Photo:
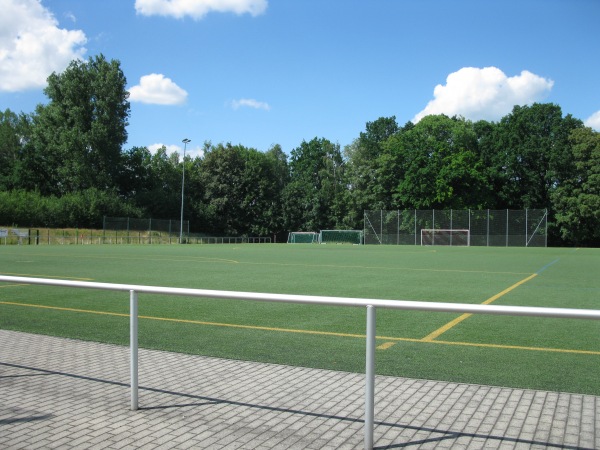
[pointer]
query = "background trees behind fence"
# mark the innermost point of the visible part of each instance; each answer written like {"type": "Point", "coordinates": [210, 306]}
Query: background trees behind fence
{"type": "Point", "coordinates": [64, 165]}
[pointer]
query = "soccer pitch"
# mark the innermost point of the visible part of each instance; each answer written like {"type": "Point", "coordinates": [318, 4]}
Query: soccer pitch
{"type": "Point", "coordinates": [525, 352]}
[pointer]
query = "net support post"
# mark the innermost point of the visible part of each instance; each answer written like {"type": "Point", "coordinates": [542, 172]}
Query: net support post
{"type": "Point", "coordinates": [133, 343]}
{"type": "Point", "coordinates": [370, 378]}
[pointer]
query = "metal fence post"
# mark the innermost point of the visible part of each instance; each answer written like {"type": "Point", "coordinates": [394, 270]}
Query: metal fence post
{"type": "Point", "coordinates": [370, 378]}
{"type": "Point", "coordinates": [381, 225]}
{"type": "Point", "coordinates": [415, 227]}
{"type": "Point", "coordinates": [133, 342]}
{"type": "Point", "coordinates": [507, 227]}
{"type": "Point", "coordinates": [526, 227]}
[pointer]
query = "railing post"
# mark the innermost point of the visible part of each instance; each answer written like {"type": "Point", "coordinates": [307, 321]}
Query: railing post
{"type": "Point", "coordinates": [133, 342]}
{"type": "Point", "coordinates": [370, 378]}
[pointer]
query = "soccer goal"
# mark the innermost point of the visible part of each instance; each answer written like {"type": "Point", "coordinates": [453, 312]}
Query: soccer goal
{"type": "Point", "coordinates": [341, 237]}
{"type": "Point", "coordinates": [303, 237]}
{"type": "Point", "coordinates": [431, 236]}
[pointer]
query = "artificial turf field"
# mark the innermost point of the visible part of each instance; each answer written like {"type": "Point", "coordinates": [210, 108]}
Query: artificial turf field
{"type": "Point", "coordinates": [550, 354]}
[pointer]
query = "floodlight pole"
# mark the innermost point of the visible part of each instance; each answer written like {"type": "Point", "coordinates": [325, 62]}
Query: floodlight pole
{"type": "Point", "coordinates": [185, 143]}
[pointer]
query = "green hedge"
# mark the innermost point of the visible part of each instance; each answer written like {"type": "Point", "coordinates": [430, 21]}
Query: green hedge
{"type": "Point", "coordinates": [83, 209]}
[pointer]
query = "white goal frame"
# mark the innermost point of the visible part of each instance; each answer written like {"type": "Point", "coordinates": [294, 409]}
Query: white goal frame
{"type": "Point", "coordinates": [446, 233]}
{"type": "Point", "coordinates": [293, 234]}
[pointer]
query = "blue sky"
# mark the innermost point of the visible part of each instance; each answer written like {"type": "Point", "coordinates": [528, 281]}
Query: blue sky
{"type": "Point", "coordinates": [264, 72]}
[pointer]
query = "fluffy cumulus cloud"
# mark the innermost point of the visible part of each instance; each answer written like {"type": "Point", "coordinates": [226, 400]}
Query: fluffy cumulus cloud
{"type": "Point", "coordinates": [32, 46]}
{"type": "Point", "coordinates": [158, 90]}
{"type": "Point", "coordinates": [197, 9]}
{"type": "Point", "coordinates": [593, 121]}
{"type": "Point", "coordinates": [249, 103]}
{"type": "Point", "coordinates": [485, 93]}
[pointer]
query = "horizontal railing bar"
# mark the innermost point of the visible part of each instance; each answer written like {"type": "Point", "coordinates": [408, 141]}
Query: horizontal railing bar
{"type": "Point", "coordinates": [568, 313]}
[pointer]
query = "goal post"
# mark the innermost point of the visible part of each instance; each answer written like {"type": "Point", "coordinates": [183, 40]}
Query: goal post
{"type": "Point", "coordinates": [432, 236]}
{"type": "Point", "coordinates": [341, 237]}
{"type": "Point", "coordinates": [303, 237]}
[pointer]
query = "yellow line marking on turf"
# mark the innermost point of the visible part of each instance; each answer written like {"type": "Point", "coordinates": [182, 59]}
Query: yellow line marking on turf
{"type": "Point", "coordinates": [519, 347]}
{"type": "Point", "coordinates": [431, 336]}
{"type": "Point", "coordinates": [256, 327]}
{"type": "Point", "coordinates": [196, 322]}
{"type": "Point", "coordinates": [46, 276]}
{"type": "Point", "coordinates": [59, 308]}
{"type": "Point", "coordinates": [383, 346]}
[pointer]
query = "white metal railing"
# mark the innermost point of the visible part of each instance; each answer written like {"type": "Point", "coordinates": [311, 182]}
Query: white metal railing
{"type": "Point", "coordinates": [371, 306]}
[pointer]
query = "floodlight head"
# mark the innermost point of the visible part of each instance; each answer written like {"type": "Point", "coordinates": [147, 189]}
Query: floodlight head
{"type": "Point", "coordinates": [186, 140]}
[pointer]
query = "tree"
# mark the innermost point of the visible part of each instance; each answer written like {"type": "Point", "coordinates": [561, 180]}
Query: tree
{"type": "Point", "coordinates": [135, 175]}
{"type": "Point", "coordinates": [279, 178]}
{"type": "Point", "coordinates": [361, 168]}
{"type": "Point", "coordinates": [577, 199]}
{"type": "Point", "coordinates": [78, 136]}
{"type": "Point", "coordinates": [15, 131]}
{"type": "Point", "coordinates": [314, 197]}
{"type": "Point", "coordinates": [161, 195]}
{"type": "Point", "coordinates": [242, 189]}
{"type": "Point", "coordinates": [530, 154]}
{"type": "Point", "coordinates": [435, 164]}
{"type": "Point", "coordinates": [9, 147]}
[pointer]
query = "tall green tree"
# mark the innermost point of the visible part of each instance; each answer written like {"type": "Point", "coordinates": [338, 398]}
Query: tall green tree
{"type": "Point", "coordinates": [365, 191]}
{"type": "Point", "coordinates": [577, 199]}
{"type": "Point", "coordinates": [530, 154]}
{"type": "Point", "coordinates": [435, 164]}
{"type": "Point", "coordinates": [77, 137]}
{"type": "Point", "coordinates": [313, 199]}
{"type": "Point", "coordinates": [9, 147]}
{"type": "Point", "coordinates": [161, 194]}
{"type": "Point", "coordinates": [135, 176]}
{"type": "Point", "coordinates": [15, 136]}
{"type": "Point", "coordinates": [279, 176]}
{"type": "Point", "coordinates": [242, 189]}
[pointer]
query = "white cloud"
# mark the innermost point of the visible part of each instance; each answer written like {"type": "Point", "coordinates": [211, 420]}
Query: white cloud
{"type": "Point", "coordinates": [158, 90]}
{"type": "Point", "coordinates": [197, 9]}
{"type": "Point", "coordinates": [32, 46]}
{"type": "Point", "coordinates": [154, 148]}
{"type": "Point", "coordinates": [70, 16]}
{"type": "Point", "coordinates": [250, 103]}
{"type": "Point", "coordinates": [192, 152]}
{"type": "Point", "coordinates": [593, 121]}
{"type": "Point", "coordinates": [487, 93]}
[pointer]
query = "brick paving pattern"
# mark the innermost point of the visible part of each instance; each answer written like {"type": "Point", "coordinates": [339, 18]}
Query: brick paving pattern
{"type": "Point", "coordinates": [64, 393]}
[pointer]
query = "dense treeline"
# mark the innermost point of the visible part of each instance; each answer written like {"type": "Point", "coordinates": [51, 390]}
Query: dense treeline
{"type": "Point", "coordinates": [64, 165]}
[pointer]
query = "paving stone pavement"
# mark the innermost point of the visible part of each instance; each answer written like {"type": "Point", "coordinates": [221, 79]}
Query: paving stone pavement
{"type": "Point", "coordinates": [64, 393]}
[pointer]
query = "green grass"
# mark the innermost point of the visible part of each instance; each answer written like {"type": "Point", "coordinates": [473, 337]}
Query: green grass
{"type": "Point", "coordinates": [507, 351]}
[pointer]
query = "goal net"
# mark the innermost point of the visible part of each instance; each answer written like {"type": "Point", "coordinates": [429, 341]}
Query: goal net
{"type": "Point", "coordinates": [341, 237]}
{"type": "Point", "coordinates": [431, 236]}
{"type": "Point", "coordinates": [303, 237]}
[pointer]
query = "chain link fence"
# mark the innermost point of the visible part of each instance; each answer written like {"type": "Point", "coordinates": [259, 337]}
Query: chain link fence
{"type": "Point", "coordinates": [507, 228]}
{"type": "Point", "coordinates": [68, 236]}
